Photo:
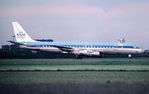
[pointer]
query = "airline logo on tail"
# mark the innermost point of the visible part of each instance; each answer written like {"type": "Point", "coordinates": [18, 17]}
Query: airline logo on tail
{"type": "Point", "coordinates": [20, 35]}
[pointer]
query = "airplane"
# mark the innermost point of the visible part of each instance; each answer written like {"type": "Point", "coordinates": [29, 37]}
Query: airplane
{"type": "Point", "coordinates": [76, 48]}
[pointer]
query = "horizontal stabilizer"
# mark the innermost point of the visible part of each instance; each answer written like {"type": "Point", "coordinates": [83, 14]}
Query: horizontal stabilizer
{"type": "Point", "coordinates": [17, 43]}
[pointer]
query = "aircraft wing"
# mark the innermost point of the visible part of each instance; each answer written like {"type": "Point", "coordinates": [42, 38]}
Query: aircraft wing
{"type": "Point", "coordinates": [67, 49]}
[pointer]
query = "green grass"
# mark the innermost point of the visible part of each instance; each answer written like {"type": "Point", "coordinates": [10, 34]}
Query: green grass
{"type": "Point", "coordinates": [77, 77]}
{"type": "Point", "coordinates": [76, 67]}
{"type": "Point", "coordinates": [69, 76]}
{"type": "Point", "coordinates": [71, 64]}
{"type": "Point", "coordinates": [100, 61]}
{"type": "Point", "coordinates": [88, 70]}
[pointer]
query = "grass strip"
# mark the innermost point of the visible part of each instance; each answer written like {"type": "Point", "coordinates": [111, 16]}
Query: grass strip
{"type": "Point", "coordinates": [87, 70]}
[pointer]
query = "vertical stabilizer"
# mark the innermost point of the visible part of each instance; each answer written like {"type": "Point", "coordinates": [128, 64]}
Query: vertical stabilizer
{"type": "Point", "coordinates": [20, 34]}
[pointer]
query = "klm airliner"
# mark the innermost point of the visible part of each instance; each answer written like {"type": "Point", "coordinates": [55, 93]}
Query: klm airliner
{"type": "Point", "coordinates": [76, 48]}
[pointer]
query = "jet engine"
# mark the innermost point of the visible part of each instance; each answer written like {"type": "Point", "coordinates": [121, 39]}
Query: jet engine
{"type": "Point", "coordinates": [87, 52]}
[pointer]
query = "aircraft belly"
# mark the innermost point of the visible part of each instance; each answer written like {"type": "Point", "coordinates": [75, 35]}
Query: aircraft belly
{"type": "Point", "coordinates": [119, 50]}
{"type": "Point", "coordinates": [51, 49]}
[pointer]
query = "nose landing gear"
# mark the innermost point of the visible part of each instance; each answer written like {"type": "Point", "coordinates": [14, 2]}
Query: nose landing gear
{"type": "Point", "coordinates": [129, 55]}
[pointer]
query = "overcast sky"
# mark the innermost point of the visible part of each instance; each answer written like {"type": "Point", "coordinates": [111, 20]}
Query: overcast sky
{"type": "Point", "coordinates": [78, 20]}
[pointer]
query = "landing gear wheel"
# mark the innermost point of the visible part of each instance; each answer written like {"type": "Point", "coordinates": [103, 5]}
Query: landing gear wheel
{"type": "Point", "coordinates": [78, 56]}
{"type": "Point", "coordinates": [129, 55]}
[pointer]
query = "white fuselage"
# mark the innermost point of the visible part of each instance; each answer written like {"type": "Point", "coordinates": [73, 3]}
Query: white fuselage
{"type": "Point", "coordinates": [85, 48]}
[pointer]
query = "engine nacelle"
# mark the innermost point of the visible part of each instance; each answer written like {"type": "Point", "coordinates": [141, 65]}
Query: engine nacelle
{"type": "Point", "coordinates": [84, 52]}
{"type": "Point", "coordinates": [87, 52]}
{"type": "Point", "coordinates": [95, 53]}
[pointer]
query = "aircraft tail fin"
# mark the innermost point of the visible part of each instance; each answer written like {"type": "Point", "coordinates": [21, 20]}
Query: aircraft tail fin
{"type": "Point", "coordinates": [20, 33]}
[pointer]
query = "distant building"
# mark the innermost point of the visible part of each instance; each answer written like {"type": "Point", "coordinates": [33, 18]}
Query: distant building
{"type": "Point", "coordinates": [8, 47]}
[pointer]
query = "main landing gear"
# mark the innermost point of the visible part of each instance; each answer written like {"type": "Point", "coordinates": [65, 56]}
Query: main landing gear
{"type": "Point", "coordinates": [78, 56]}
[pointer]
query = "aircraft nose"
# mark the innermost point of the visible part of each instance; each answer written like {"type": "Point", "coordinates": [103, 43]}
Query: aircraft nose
{"type": "Point", "coordinates": [140, 51]}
